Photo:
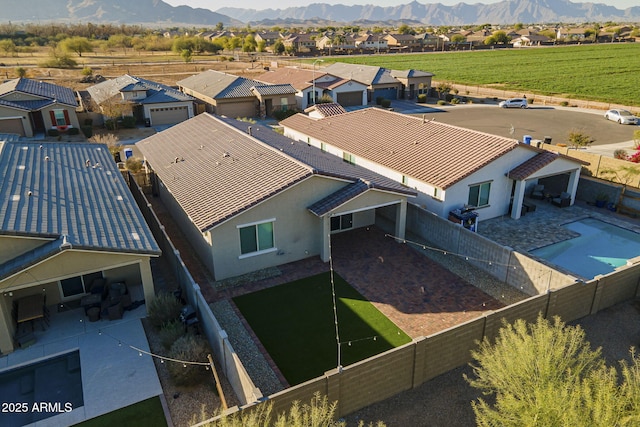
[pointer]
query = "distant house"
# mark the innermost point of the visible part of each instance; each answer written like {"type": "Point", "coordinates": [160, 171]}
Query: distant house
{"type": "Point", "coordinates": [343, 91]}
{"type": "Point", "coordinates": [68, 218]}
{"type": "Point", "coordinates": [302, 42]}
{"type": "Point", "coordinates": [234, 96]}
{"type": "Point", "coordinates": [450, 167]}
{"type": "Point", "coordinates": [28, 107]}
{"type": "Point", "coordinates": [531, 40]}
{"type": "Point", "coordinates": [403, 42]}
{"type": "Point", "coordinates": [155, 103]}
{"type": "Point", "coordinates": [248, 198]}
{"type": "Point", "coordinates": [381, 82]}
{"type": "Point", "coordinates": [268, 37]}
{"type": "Point", "coordinates": [372, 42]}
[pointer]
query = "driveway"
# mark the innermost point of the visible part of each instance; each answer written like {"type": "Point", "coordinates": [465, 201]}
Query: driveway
{"type": "Point", "coordinates": [538, 121]}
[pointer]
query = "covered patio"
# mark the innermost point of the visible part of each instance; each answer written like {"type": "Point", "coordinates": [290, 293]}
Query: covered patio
{"type": "Point", "coordinates": [114, 375]}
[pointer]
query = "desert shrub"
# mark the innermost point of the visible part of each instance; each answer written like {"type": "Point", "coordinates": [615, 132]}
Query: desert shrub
{"type": "Point", "coordinates": [87, 71]}
{"type": "Point", "coordinates": [385, 103]}
{"type": "Point", "coordinates": [74, 131]}
{"type": "Point", "coordinates": [283, 114]}
{"type": "Point", "coordinates": [134, 164]}
{"type": "Point", "coordinates": [87, 130]}
{"type": "Point", "coordinates": [441, 102]}
{"type": "Point", "coordinates": [170, 332]}
{"type": "Point", "coordinates": [379, 100]}
{"type": "Point", "coordinates": [455, 100]}
{"type": "Point", "coordinates": [53, 132]}
{"type": "Point", "coordinates": [635, 157]}
{"type": "Point", "coordinates": [564, 103]}
{"type": "Point", "coordinates": [110, 124]}
{"type": "Point", "coordinates": [620, 154]}
{"type": "Point", "coordinates": [128, 122]}
{"type": "Point", "coordinates": [164, 307]}
{"type": "Point", "coordinates": [448, 97]}
{"type": "Point", "coordinates": [191, 348]}
{"type": "Point", "coordinates": [325, 99]}
{"type": "Point", "coordinates": [422, 98]}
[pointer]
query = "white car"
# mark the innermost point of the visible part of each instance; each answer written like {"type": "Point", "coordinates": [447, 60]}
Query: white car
{"type": "Point", "coordinates": [623, 117]}
{"type": "Point", "coordinates": [514, 103]}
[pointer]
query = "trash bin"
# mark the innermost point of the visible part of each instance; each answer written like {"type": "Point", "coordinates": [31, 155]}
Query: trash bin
{"type": "Point", "coordinates": [147, 122]}
{"type": "Point", "coordinates": [527, 139]}
{"type": "Point", "coordinates": [128, 152]}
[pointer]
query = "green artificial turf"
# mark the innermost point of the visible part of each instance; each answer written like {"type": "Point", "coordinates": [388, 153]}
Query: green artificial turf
{"type": "Point", "coordinates": [295, 323]}
{"type": "Point", "coordinates": [146, 413]}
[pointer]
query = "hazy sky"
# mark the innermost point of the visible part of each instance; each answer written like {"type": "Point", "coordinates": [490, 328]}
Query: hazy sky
{"type": "Point", "coordinates": [281, 4]}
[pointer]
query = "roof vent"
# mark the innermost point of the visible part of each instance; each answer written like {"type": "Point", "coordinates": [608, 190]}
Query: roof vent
{"type": "Point", "coordinates": [225, 154]}
{"type": "Point", "coordinates": [47, 158]}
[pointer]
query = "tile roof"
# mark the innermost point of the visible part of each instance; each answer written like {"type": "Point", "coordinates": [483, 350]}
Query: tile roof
{"type": "Point", "coordinates": [410, 73]}
{"type": "Point", "coordinates": [280, 89]}
{"type": "Point", "coordinates": [60, 94]}
{"type": "Point", "coordinates": [367, 74]}
{"type": "Point", "coordinates": [220, 171]}
{"type": "Point", "coordinates": [211, 187]}
{"type": "Point", "coordinates": [218, 85]}
{"type": "Point", "coordinates": [296, 77]}
{"type": "Point", "coordinates": [436, 153]}
{"type": "Point", "coordinates": [156, 92]}
{"type": "Point", "coordinates": [48, 191]}
{"type": "Point", "coordinates": [327, 109]}
{"type": "Point", "coordinates": [332, 84]}
{"type": "Point", "coordinates": [532, 165]}
{"type": "Point", "coordinates": [338, 198]}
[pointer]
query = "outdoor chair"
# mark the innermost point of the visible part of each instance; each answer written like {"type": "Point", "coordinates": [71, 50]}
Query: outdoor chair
{"type": "Point", "coordinates": [538, 192]}
{"type": "Point", "coordinates": [563, 200]}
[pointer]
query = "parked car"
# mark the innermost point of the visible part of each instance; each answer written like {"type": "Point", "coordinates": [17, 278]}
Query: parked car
{"type": "Point", "coordinates": [623, 117]}
{"type": "Point", "coordinates": [514, 103]}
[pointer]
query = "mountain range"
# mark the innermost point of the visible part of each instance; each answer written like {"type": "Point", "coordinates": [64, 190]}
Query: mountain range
{"type": "Point", "coordinates": [158, 13]}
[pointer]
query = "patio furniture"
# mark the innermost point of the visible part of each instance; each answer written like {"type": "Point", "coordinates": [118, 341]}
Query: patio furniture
{"type": "Point", "coordinates": [538, 192]}
{"type": "Point", "coordinates": [563, 200]}
{"type": "Point", "coordinates": [94, 314]}
{"type": "Point", "coordinates": [30, 309]}
{"type": "Point", "coordinates": [115, 311]}
{"type": "Point", "coordinates": [116, 300]}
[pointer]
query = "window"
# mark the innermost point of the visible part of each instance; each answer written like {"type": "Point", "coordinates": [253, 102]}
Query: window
{"type": "Point", "coordinates": [78, 285]}
{"type": "Point", "coordinates": [342, 222]}
{"type": "Point", "coordinates": [323, 146]}
{"type": "Point", "coordinates": [256, 238]}
{"type": "Point", "coordinates": [405, 180]}
{"type": "Point", "coordinates": [59, 118]}
{"type": "Point", "coordinates": [436, 193]}
{"type": "Point", "coordinates": [349, 158]}
{"type": "Point", "coordinates": [479, 194]}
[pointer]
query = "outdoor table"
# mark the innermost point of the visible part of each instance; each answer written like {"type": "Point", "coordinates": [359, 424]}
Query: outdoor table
{"type": "Point", "coordinates": [31, 308]}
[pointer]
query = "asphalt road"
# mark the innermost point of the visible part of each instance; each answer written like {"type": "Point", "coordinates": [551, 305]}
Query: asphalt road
{"type": "Point", "coordinates": [537, 121]}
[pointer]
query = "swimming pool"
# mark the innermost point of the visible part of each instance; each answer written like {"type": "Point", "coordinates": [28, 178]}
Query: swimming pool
{"type": "Point", "coordinates": [600, 248]}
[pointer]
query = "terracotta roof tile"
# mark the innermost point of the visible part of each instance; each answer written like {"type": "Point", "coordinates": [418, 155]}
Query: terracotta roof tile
{"type": "Point", "coordinates": [531, 166]}
{"type": "Point", "coordinates": [433, 152]}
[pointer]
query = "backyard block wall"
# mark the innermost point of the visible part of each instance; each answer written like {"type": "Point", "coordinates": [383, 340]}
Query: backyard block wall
{"type": "Point", "coordinates": [389, 373]}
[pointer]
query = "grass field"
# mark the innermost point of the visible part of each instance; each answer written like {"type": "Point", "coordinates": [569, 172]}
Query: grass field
{"type": "Point", "coordinates": [600, 72]}
{"type": "Point", "coordinates": [295, 323]}
{"type": "Point", "coordinates": [146, 413]}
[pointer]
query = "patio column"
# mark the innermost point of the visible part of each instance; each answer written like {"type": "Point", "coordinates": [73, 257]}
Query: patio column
{"type": "Point", "coordinates": [518, 198]}
{"type": "Point", "coordinates": [6, 328]}
{"type": "Point", "coordinates": [325, 251]}
{"type": "Point", "coordinates": [401, 219]}
{"type": "Point", "coordinates": [147, 281]}
{"type": "Point", "coordinates": [572, 186]}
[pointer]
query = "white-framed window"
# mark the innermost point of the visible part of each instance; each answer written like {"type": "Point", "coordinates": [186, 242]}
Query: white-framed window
{"type": "Point", "coordinates": [78, 285]}
{"type": "Point", "coordinates": [349, 158]}
{"type": "Point", "coordinates": [323, 146]}
{"type": "Point", "coordinates": [436, 193]}
{"type": "Point", "coordinates": [256, 238]}
{"type": "Point", "coordinates": [405, 180]}
{"type": "Point", "coordinates": [342, 222]}
{"type": "Point", "coordinates": [479, 194]}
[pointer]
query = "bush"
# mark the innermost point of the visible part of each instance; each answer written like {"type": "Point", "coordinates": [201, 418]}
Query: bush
{"type": "Point", "coordinates": [564, 103]}
{"type": "Point", "coordinates": [88, 122]}
{"type": "Point", "coordinates": [441, 102]}
{"type": "Point", "coordinates": [53, 132]}
{"type": "Point", "coordinates": [190, 348]}
{"type": "Point", "coordinates": [87, 71]}
{"type": "Point", "coordinates": [385, 103]}
{"type": "Point", "coordinates": [379, 100]}
{"type": "Point", "coordinates": [455, 101]}
{"type": "Point", "coordinates": [87, 131]}
{"type": "Point", "coordinates": [134, 165]}
{"type": "Point", "coordinates": [128, 122]}
{"type": "Point", "coordinates": [448, 97]}
{"type": "Point", "coordinates": [422, 98]}
{"type": "Point", "coordinates": [283, 114]}
{"type": "Point", "coordinates": [110, 124]}
{"type": "Point", "coordinates": [164, 308]}
{"type": "Point", "coordinates": [620, 154]}
{"type": "Point", "coordinates": [170, 332]}
{"type": "Point", "coordinates": [74, 131]}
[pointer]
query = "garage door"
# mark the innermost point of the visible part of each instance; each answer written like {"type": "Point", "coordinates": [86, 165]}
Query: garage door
{"type": "Point", "coordinates": [12, 126]}
{"type": "Point", "coordinates": [389, 93]}
{"type": "Point", "coordinates": [350, 99]}
{"type": "Point", "coordinates": [169, 116]}
{"type": "Point", "coordinates": [237, 109]}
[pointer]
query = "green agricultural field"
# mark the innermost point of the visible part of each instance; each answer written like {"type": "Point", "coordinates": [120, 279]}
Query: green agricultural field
{"type": "Point", "coordinates": [602, 72]}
